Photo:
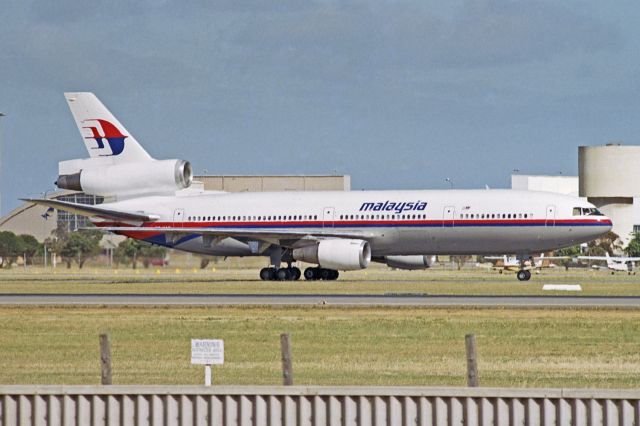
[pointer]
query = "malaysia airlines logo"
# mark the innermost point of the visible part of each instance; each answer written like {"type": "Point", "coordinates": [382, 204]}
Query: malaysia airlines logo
{"type": "Point", "coordinates": [110, 135]}
{"type": "Point", "coordinates": [398, 207]}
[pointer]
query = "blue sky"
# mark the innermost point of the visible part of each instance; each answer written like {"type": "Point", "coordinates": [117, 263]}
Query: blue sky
{"type": "Point", "coordinates": [398, 94]}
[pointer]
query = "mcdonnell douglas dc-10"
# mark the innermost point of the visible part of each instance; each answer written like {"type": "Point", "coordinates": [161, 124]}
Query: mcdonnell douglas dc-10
{"type": "Point", "coordinates": [155, 201]}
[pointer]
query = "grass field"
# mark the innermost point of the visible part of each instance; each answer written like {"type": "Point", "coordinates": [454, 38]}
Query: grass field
{"type": "Point", "coordinates": [376, 280]}
{"type": "Point", "coordinates": [355, 346]}
{"type": "Point", "coordinates": [331, 346]}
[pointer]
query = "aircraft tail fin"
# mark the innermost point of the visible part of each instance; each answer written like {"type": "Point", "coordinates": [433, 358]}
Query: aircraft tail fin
{"type": "Point", "coordinates": [609, 261]}
{"type": "Point", "coordinates": [103, 134]}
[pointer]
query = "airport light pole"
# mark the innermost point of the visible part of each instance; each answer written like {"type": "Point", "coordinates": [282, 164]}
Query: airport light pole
{"type": "Point", "coordinates": [2, 114]}
{"type": "Point", "coordinates": [450, 182]}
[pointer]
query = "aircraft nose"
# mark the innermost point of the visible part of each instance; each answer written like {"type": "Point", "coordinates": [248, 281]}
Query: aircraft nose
{"type": "Point", "coordinates": [606, 222]}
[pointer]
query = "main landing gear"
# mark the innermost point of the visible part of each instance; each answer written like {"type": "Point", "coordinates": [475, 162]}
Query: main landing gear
{"type": "Point", "coordinates": [294, 274]}
{"type": "Point", "coordinates": [523, 275]}
{"type": "Point", "coordinates": [318, 273]}
{"type": "Point", "coordinates": [281, 274]}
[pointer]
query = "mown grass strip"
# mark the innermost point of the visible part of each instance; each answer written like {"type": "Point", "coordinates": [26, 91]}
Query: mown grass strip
{"type": "Point", "coordinates": [331, 346]}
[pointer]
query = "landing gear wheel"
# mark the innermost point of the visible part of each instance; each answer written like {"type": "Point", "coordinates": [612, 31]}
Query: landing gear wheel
{"type": "Point", "coordinates": [310, 274]}
{"type": "Point", "coordinates": [528, 275]}
{"type": "Point", "coordinates": [283, 274]}
{"type": "Point", "coordinates": [267, 274]}
{"type": "Point", "coordinates": [335, 275]}
{"type": "Point", "coordinates": [295, 273]}
{"type": "Point", "coordinates": [325, 274]}
{"type": "Point", "coordinates": [522, 275]}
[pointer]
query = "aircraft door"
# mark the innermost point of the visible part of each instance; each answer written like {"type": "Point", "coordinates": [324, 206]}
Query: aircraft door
{"type": "Point", "coordinates": [448, 217]}
{"type": "Point", "coordinates": [178, 217]}
{"type": "Point", "coordinates": [551, 216]}
{"type": "Point", "coordinates": [328, 217]}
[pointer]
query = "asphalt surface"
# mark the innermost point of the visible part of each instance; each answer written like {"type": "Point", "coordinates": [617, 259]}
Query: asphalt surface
{"type": "Point", "coordinates": [423, 300]}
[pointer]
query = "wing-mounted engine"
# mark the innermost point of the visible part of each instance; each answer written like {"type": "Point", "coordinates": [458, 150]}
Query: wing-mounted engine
{"type": "Point", "coordinates": [99, 177]}
{"type": "Point", "coordinates": [409, 262]}
{"type": "Point", "coordinates": [339, 254]}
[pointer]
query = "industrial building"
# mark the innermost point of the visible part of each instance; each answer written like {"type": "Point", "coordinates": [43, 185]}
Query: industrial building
{"type": "Point", "coordinates": [567, 185]}
{"type": "Point", "coordinates": [610, 179]}
{"type": "Point", "coordinates": [35, 220]}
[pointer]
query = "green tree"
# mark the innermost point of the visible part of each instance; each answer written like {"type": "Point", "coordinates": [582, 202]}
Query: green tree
{"type": "Point", "coordinates": [10, 247]}
{"type": "Point", "coordinates": [608, 243]}
{"type": "Point", "coordinates": [572, 251]}
{"type": "Point", "coordinates": [134, 251]}
{"type": "Point", "coordinates": [30, 246]}
{"type": "Point", "coordinates": [127, 252]}
{"type": "Point", "coordinates": [148, 252]}
{"type": "Point", "coordinates": [633, 248]}
{"type": "Point", "coordinates": [460, 260]}
{"type": "Point", "coordinates": [81, 246]}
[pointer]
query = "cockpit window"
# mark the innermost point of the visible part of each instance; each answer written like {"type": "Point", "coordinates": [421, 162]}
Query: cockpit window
{"type": "Point", "coordinates": [586, 211]}
{"type": "Point", "coordinates": [592, 212]}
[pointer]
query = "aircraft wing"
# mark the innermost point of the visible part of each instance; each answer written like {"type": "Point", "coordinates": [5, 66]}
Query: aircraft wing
{"type": "Point", "coordinates": [292, 237]}
{"type": "Point", "coordinates": [615, 259]}
{"type": "Point", "coordinates": [93, 210]}
{"type": "Point", "coordinates": [269, 235]}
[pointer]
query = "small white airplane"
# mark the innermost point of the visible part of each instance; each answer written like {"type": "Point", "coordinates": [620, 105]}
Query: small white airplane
{"type": "Point", "coordinates": [512, 263]}
{"type": "Point", "coordinates": [615, 264]}
{"type": "Point", "coordinates": [155, 200]}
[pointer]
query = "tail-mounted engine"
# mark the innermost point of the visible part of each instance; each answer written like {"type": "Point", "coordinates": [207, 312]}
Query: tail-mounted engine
{"type": "Point", "coordinates": [145, 177]}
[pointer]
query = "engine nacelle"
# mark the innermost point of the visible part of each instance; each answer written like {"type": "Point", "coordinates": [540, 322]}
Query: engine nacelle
{"type": "Point", "coordinates": [339, 254]}
{"type": "Point", "coordinates": [410, 262]}
{"type": "Point", "coordinates": [155, 176]}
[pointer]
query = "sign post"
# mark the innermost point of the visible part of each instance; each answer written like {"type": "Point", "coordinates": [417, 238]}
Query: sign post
{"type": "Point", "coordinates": [207, 352]}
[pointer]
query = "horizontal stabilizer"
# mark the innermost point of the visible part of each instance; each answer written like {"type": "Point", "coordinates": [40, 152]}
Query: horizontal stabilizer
{"type": "Point", "coordinates": [92, 210]}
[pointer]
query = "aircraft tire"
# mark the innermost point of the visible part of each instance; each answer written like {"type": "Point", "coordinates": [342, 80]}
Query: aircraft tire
{"type": "Point", "coordinates": [310, 274]}
{"type": "Point", "coordinates": [521, 275]}
{"type": "Point", "coordinates": [325, 274]}
{"type": "Point", "coordinates": [334, 275]}
{"type": "Point", "coordinates": [528, 275]}
{"type": "Point", "coordinates": [283, 274]}
{"type": "Point", "coordinates": [295, 273]}
{"type": "Point", "coordinates": [265, 274]}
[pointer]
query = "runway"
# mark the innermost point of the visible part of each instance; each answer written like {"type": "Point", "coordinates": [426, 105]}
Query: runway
{"type": "Point", "coordinates": [364, 300]}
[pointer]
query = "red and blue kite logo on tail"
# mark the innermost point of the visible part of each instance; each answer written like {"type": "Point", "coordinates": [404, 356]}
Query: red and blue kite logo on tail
{"type": "Point", "coordinates": [113, 137]}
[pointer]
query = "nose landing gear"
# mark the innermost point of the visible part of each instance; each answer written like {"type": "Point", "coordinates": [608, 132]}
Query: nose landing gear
{"type": "Point", "coordinates": [523, 275]}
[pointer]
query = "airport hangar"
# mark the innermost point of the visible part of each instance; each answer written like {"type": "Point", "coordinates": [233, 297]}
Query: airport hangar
{"type": "Point", "coordinates": [34, 220]}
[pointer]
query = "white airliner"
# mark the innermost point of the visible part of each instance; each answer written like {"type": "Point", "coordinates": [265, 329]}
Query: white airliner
{"type": "Point", "coordinates": [155, 201]}
{"type": "Point", "coordinates": [616, 264]}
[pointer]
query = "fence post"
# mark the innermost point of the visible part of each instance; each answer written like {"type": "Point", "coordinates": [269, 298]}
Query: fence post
{"type": "Point", "coordinates": [472, 364]}
{"type": "Point", "coordinates": [105, 358]}
{"type": "Point", "coordinates": [287, 369]}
